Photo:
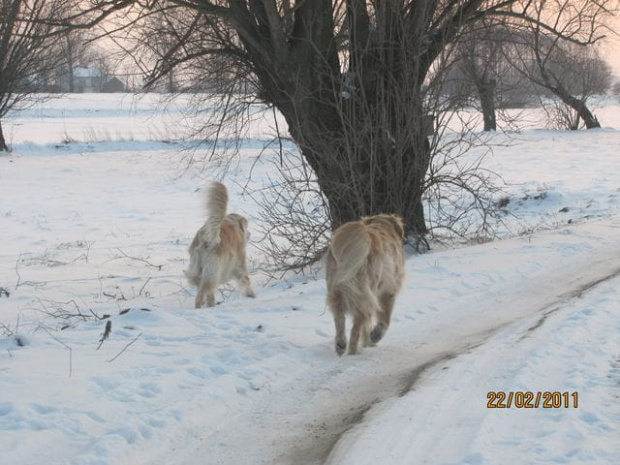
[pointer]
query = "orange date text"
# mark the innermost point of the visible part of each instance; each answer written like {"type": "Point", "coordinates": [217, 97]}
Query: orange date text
{"type": "Point", "coordinates": [529, 399]}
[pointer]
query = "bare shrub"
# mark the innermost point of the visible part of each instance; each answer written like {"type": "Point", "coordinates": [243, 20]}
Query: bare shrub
{"type": "Point", "coordinates": [461, 194]}
{"type": "Point", "coordinates": [461, 199]}
{"type": "Point", "coordinates": [294, 223]}
{"type": "Point", "coordinates": [66, 313]}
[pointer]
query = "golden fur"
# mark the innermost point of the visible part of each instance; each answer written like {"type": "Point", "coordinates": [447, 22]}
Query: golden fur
{"type": "Point", "coordinates": [217, 253]}
{"type": "Point", "coordinates": [364, 272]}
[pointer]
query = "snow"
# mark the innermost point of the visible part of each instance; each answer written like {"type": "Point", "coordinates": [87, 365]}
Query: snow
{"type": "Point", "coordinates": [97, 208]}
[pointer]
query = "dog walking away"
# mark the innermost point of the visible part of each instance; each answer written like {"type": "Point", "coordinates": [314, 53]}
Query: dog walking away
{"type": "Point", "coordinates": [217, 254]}
{"type": "Point", "coordinates": [365, 272]}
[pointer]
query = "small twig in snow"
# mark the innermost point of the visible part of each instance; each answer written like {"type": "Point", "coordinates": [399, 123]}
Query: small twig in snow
{"type": "Point", "coordinates": [125, 348]}
{"type": "Point", "coordinates": [158, 267]}
{"type": "Point", "coordinates": [143, 286]}
{"type": "Point", "coordinates": [19, 278]}
{"type": "Point", "coordinates": [106, 333]}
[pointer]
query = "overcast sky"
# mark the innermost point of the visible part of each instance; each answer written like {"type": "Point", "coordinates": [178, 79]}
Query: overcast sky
{"type": "Point", "coordinates": [611, 49]}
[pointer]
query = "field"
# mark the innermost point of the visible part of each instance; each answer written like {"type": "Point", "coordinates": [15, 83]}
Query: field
{"type": "Point", "coordinates": [98, 203]}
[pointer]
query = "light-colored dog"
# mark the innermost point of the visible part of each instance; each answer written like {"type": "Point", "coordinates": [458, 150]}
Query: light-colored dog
{"type": "Point", "coordinates": [217, 253]}
{"type": "Point", "coordinates": [365, 271]}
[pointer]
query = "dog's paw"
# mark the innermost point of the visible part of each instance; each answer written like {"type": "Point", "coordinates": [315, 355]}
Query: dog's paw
{"type": "Point", "coordinates": [376, 334]}
{"type": "Point", "coordinates": [341, 346]}
{"type": "Point", "coordinates": [353, 351]}
{"type": "Point", "coordinates": [251, 294]}
{"type": "Point", "coordinates": [369, 343]}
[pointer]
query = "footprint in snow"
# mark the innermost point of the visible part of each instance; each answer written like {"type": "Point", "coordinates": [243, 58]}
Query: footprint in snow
{"type": "Point", "coordinates": [43, 409]}
{"type": "Point", "coordinates": [5, 408]}
{"type": "Point", "coordinates": [106, 384]}
{"type": "Point", "coordinates": [198, 373]}
{"type": "Point", "coordinates": [318, 332]}
{"type": "Point", "coordinates": [149, 390]}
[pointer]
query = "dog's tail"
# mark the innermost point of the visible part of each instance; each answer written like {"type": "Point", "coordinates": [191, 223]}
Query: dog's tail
{"type": "Point", "coordinates": [216, 202]}
{"type": "Point", "coordinates": [350, 247]}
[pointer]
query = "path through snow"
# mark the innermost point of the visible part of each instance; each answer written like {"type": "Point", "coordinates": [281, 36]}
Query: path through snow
{"type": "Point", "coordinates": [319, 415]}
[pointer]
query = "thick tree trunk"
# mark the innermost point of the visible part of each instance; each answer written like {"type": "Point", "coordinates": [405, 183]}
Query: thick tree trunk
{"type": "Point", "coordinates": [71, 79]}
{"type": "Point", "coordinates": [362, 177]}
{"type": "Point", "coordinates": [3, 146]}
{"type": "Point", "coordinates": [583, 112]}
{"type": "Point", "coordinates": [171, 88]}
{"type": "Point", "coordinates": [374, 196]}
{"type": "Point", "coordinates": [486, 91]}
{"type": "Point", "coordinates": [579, 105]}
{"type": "Point", "coordinates": [586, 115]}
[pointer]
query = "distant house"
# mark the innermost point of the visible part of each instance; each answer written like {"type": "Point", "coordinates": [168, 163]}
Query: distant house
{"type": "Point", "coordinates": [113, 85]}
{"type": "Point", "coordinates": [85, 80]}
{"type": "Point", "coordinates": [88, 80]}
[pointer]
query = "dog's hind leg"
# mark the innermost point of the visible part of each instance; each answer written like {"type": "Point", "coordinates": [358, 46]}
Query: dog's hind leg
{"type": "Point", "coordinates": [366, 329]}
{"type": "Point", "coordinates": [338, 311]}
{"type": "Point", "coordinates": [384, 315]}
{"type": "Point", "coordinates": [360, 323]}
{"type": "Point", "coordinates": [244, 282]}
{"type": "Point", "coordinates": [341, 336]}
{"type": "Point", "coordinates": [206, 292]}
{"type": "Point", "coordinates": [209, 280]}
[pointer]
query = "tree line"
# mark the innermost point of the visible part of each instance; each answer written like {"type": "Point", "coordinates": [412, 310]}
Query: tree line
{"type": "Point", "coordinates": [355, 80]}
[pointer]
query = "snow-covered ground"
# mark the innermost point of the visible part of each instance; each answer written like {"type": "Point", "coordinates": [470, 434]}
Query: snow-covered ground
{"type": "Point", "coordinates": [96, 214]}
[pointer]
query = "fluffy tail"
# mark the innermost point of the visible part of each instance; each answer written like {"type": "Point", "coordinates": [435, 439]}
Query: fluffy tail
{"type": "Point", "coordinates": [350, 247]}
{"type": "Point", "coordinates": [216, 202]}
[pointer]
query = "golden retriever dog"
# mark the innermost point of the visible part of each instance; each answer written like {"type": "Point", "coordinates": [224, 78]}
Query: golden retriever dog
{"type": "Point", "coordinates": [365, 271]}
{"type": "Point", "coordinates": [217, 253]}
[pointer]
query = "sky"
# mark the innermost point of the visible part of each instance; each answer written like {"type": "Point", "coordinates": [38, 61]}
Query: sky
{"type": "Point", "coordinates": [611, 48]}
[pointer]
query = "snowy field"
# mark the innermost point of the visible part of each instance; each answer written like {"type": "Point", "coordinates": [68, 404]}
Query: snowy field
{"type": "Point", "coordinates": [96, 213]}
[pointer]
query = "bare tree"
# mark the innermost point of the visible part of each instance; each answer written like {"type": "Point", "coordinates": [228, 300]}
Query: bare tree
{"type": "Point", "coordinates": [480, 53]}
{"type": "Point", "coordinates": [563, 68]}
{"type": "Point", "coordinates": [482, 73]}
{"type": "Point", "coordinates": [570, 77]}
{"type": "Point", "coordinates": [349, 77]}
{"type": "Point", "coordinates": [586, 75]}
{"type": "Point", "coordinates": [27, 49]}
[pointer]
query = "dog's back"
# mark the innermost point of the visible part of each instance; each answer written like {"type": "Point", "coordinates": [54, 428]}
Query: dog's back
{"type": "Point", "coordinates": [364, 272]}
{"type": "Point", "coordinates": [368, 254]}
